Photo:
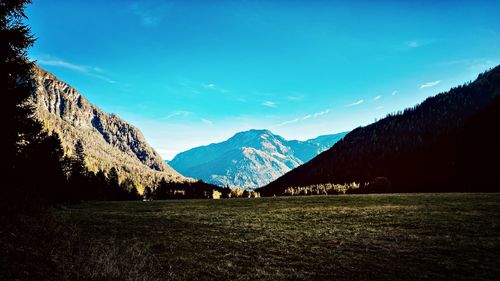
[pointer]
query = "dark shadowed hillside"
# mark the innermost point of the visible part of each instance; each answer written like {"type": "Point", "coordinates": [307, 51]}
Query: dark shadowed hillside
{"type": "Point", "coordinates": [447, 143]}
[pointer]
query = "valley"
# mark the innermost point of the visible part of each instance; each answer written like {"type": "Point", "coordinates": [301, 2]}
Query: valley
{"type": "Point", "coordinates": [249, 140]}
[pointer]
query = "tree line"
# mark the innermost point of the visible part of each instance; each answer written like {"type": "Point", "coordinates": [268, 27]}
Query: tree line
{"type": "Point", "coordinates": [321, 189]}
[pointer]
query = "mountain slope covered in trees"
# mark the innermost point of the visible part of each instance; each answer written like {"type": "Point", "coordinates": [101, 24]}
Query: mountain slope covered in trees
{"type": "Point", "coordinates": [447, 143]}
{"type": "Point", "coordinates": [108, 140]}
{"type": "Point", "coordinates": [249, 159]}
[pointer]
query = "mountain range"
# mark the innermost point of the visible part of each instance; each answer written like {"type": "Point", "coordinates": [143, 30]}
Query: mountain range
{"type": "Point", "coordinates": [249, 159]}
{"type": "Point", "coordinates": [108, 140]}
{"type": "Point", "coordinates": [449, 142]}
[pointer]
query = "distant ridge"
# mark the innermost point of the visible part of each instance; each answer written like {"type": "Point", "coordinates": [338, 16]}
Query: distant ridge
{"type": "Point", "coordinates": [108, 140]}
{"type": "Point", "coordinates": [449, 142]}
{"type": "Point", "coordinates": [249, 159]}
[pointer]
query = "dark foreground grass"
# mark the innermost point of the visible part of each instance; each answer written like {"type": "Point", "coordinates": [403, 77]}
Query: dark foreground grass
{"type": "Point", "coordinates": [370, 237]}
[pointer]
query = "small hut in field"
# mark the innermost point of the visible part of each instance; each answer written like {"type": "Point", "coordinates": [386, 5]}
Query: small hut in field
{"type": "Point", "coordinates": [216, 194]}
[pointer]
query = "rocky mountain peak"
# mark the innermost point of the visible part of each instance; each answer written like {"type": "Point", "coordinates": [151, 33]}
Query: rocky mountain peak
{"type": "Point", "coordinates": [248, 159]}
{"type": "Point", "coordinates": [108, 140]}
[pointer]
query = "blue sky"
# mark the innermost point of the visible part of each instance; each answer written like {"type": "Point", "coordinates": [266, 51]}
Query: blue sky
{"type": "Point", "coordinates": [189, 73]}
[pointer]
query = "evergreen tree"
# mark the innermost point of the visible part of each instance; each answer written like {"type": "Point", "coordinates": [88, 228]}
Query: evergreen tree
{"type": "Point", "coordinates": [160, 191]}
{"type": "Point", "coordinates": [114, 190]}
{"type": "Point", "coordinates": [79, 179]}
{"type": "Point", "coordinates": [15, 77]}
{"type": "Point", "coordinates": [226, 192]}
{"type": "Point", "coordinates": [147, 193]}
{"type": "Point", "coordinates": [134, 194]}
{"type": "Point", "coordinates": [100, 185]}
{"type": "Point", "coordinates": [43, 160]}
{"type": "Point", "coordinates": [16, 87]}
{"type": "Point", "coordinates": [47, 163]}
{"type": "Point", "coordinates": [78, 163]}
{"type": "Point", "coordinates": [113, 178]}
{"type": "Point", "coordinates": [246, 194]}
{"type": "Point", "coordinates": [128, 185]}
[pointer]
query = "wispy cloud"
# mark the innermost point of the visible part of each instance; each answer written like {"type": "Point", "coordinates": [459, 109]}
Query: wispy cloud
{"type": "Point", "coordinates": [207, 122]}
{"type": "Point", "coordinates": [103, 78]}
{"type": "Point", "coordinates": [377, 98]}
{"type": "Point", "coordinates": [63, 64]}
{"type": "Point", "coordinates": [289, 122]}
{"type": "Point", "coordinates": [379, 107]}
{"type": "Point", "coordinates": [394, 93]}
{"type": "Point", "coordinates": [295, 97]}
{"type": "Point", "coordinates": [178, 113]}
{"type": "Point", "coordinates": [412, 44]}
{"type": "Point", "coordinates": [430, 84]}
{"type": "Point", "coordinates": [317, 114]}
{"type": "Point", "coordinates": [269, 104]}
{"type": "Point", "coordinates": [145, 15]}
{"type": "Point", "coordinates": [356, 103]}
{"type": "Point", "coordinates": [212, 86]}
{"type": "Point", "coordinates": [92, 71]}
{"type": "Point", "coordinates": [303, 118]}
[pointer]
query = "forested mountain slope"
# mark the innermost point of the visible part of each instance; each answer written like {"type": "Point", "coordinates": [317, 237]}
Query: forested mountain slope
{"type": "Point", "coordinates": [450, 142]}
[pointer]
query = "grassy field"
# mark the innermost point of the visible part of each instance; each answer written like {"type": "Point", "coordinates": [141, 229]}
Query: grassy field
{"type": "Point", "coordinates": [369, 237]}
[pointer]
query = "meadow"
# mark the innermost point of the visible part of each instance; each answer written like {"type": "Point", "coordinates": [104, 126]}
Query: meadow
{"type": "Point", "coordinates": [350, 237]}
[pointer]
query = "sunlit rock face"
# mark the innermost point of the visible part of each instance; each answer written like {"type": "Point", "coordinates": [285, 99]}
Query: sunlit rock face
{"type": "Point", "coordinates": [249, 159]}
{"type": "Point", "coordinates": [108, 140]}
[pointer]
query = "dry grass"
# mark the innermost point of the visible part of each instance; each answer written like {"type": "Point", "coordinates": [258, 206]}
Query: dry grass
{"type": "Point", "coordinates": [358, 237]}
{"type": "Point", "coordinates": [41, 247]}
{"type": "Point", "coordinates": [369, 237]}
